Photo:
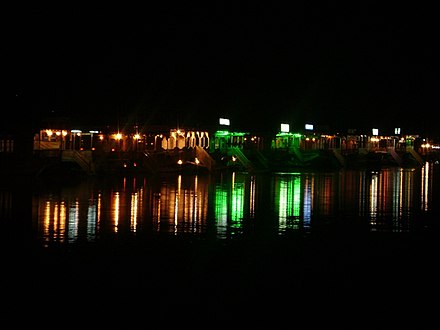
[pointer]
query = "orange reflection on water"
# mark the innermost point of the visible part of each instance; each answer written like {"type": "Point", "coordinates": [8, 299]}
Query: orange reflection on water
{"type": "Point", "coordinates": [181, 207]}
{"type": "Point", "coordinates": [383, 200]}
{"type": "Point", "coordinates": [98, 212]}
{"type": "Point", "coordinates": [54, 216]}
{"type": "Point", "coordinates": [5, 205]}
{"type": "Point", "coordinates": [115, 210]}
{"type": "Point", "coordinates": [327, 195]}
{"type": "Point", "coordinates": [391, 198]}
{"type": "Point", "coordinates": [134, 211]}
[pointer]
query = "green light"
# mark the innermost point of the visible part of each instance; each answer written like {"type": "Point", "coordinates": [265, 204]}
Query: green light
{"type": "Point", "coordinates": [284, 134]}
{"type": "Point", "coordinates": [221, 133]}
{"type": "Point", "coordinates": [296, 197]}
{"type": "Point", "coordinates": [221, 209]}
{"type": "Point", "coordinates": [289, 201]}
{"type": "Point", "coordinates": [227, 133]}
{"type": "Point", "coordinates": [237, 203]}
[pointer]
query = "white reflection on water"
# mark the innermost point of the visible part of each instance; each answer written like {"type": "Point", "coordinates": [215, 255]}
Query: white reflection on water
{"type": "Point", "coordinates": [425, 187]}
{"type": "Point", "coordinates": [73, 221]}
{"type": "Point", "coordinates": [391, 198]}
{"type": "Point", "coordinates": [308, 201]}
{"type": "Point", "coordinates": [235, 203]}
{"type": "Point", "coordinates": [373, 198]}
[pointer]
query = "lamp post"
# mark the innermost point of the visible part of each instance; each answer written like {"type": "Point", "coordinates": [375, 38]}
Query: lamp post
{"type": "Point", "coordinates": [91, 139]}
{"type": "Point", "coordinates": [63, 137]}
{"type": "Point", "coordinates": [136, 139]}
{"type": "Point", "coordinates": [118, 137]}
{"type": "Point", "coordinates": [75, 132]}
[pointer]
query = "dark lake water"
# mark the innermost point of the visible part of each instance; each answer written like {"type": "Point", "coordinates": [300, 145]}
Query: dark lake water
{"type": "Point", "coordinates": [226, 239]}
{"type": "Point", "coordinates": [231, 205]}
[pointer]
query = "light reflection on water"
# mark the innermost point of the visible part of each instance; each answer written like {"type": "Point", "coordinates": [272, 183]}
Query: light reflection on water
{"type": "Point", "coordinates": [228, 205]}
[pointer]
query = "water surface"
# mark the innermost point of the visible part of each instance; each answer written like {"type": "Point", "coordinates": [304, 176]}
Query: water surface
{"type": "Point", "coordinates": [233, 204]}
{"type": "Point", "coordinates": [209, 244]}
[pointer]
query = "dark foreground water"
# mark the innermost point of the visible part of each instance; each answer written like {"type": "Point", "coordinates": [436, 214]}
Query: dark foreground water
{"type": "Point", "coordinates": [228, 245]}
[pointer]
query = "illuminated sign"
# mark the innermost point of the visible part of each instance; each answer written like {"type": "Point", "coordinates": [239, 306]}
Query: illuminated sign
{"type": "Point", "coordinates": [285, 128]}
{"type": "Point", "coordinates": [224, 121]}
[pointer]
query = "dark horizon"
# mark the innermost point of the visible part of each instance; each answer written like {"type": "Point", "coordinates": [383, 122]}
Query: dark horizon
{"type": "Point", "coordinates": [343, 67]}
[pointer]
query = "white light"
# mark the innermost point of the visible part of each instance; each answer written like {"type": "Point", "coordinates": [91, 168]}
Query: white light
{"type": "Point", "coordinates": [285, 128]}
{"type": "Point", "coordinates": [224, 121]}
{"type": "Point", "coordinates": [375, 131]}
{"type": "Point", "coordinates": [309, 127]}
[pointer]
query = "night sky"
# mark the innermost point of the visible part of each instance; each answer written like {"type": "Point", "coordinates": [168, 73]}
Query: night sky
{"type": "Point", "coordinates": [259, 64]}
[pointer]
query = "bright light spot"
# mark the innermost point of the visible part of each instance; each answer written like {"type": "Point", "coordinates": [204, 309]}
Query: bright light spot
{"type": "Point", "coordinates": [285, 128]}
{"type": "Point", "coordinates": [224, 121]}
